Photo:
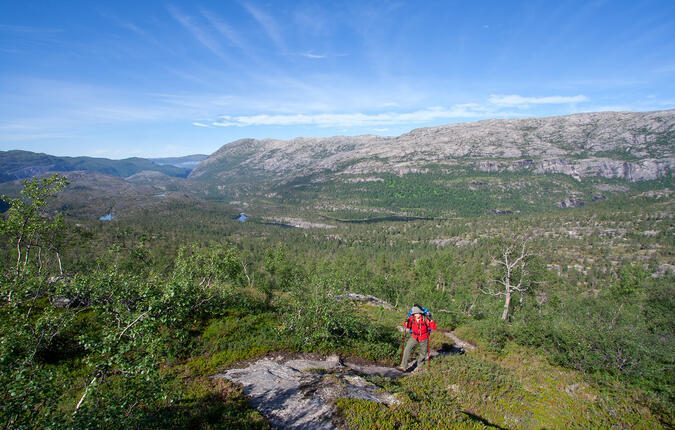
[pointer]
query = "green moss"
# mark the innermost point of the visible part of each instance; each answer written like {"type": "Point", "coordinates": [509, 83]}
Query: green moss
{"type": "Point", "coordinates": [237, 337]}
{"type": "Point", "coordinates": [409, 414]}
{"type": "Point", "coordinates": [212, 404]}
{"type": "Point", "coordinates": [518, 390]}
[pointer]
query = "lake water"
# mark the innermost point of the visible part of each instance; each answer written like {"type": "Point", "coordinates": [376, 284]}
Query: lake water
{"type": "Point", "coordinates": [383, 219]}
{"type": "Point", "coordinates": [108, 217]}
{"type": "Point", "coordinates": [242, 217]}
{"type": "Point", "coordinates": [278, 224]}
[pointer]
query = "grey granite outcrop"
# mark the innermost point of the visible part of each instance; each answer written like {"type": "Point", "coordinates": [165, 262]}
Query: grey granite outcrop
{"type": "Point", "coordinates": [298, 393]}
{"type": "Point", "coordinates": [634, 146]}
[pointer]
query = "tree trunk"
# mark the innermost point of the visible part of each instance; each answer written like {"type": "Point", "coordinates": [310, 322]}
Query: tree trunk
{"type": "Point", "coordinates": [507, 302]}
{"type": "Point", "coordinates": [25, 259]}
{"type": "Point", "coordinates": [86, 390]}
{"type": "Point", "coordinates": [18, 254]}
{"type": "Point", "coordinates": [59, 259]}
{"type": "Point", "coordinates": [39, 256]}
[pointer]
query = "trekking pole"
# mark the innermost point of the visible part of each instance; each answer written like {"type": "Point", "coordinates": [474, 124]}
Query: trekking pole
{"type": "Point", "coordinates": [402, 345]}
{"type": "Point", "coordinates": [428, 342]}
{"type": "Point", "coordinates": [428, 348]}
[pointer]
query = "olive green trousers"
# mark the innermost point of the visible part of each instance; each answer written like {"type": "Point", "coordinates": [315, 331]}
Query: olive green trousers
{"type": "Point", "coordinates": [422, 354]}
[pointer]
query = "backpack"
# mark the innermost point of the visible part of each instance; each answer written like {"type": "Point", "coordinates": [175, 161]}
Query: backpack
{"type": "Point", "coordinates": [426, 317]}
{"type": "Point", "coordinates": [426, 311]}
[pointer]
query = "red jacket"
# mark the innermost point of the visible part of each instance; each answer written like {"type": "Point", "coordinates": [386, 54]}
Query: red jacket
{"type": "Point", "coordinates": [420, 330]}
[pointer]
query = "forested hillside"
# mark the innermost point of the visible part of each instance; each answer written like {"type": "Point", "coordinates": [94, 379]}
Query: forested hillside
{"type": "Point", "coordinates": [543, 247]}
{"type": "Point", "coordinates": [122, 323]}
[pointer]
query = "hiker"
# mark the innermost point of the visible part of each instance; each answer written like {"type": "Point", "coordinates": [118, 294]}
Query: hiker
{"type": "Point", "coordinates": [420, 324]}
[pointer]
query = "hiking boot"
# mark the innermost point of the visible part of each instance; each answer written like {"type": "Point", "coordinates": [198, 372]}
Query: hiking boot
{"type": "Point", "coordinates": [400, 368]}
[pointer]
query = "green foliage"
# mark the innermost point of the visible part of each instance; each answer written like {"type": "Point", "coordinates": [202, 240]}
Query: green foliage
{"type": "Point", "coordinates": [369, 415]}
{"type": "Point", "coordinates": [315, 320]}
{"type": "Point", "coordinates": [134, 322]}
{"type": "Point", "coordinates": [236, 337]}
{"type": "Point", "coordinates": [28, 322]}
{"type": "Point", "coordinates": [209, 403]}
{"type": "Point", "coordinates": [27, 224]}
{"type": "Point", "coordinates": [435, 194]}
{"type": "Point", "coordinates": [631, 278]}
{"type": "Point", "coordinates": [495, 333]}
{"type": "Point", "coordinates": [147, 310]}
{"type": "Point", "coordinates": [474, 391]}
{"type": "Point", "coordinates": [429, 399]}
{"type": "Point", "coordinates": [279, 272]}
{"type": "Point", "coordinates": [215, 263]}
{"type": "Point", "coordinates": [609, 337]}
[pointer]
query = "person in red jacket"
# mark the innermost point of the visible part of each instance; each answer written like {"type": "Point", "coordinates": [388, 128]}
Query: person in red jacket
{"type": "Point", "coordinates": [420, 325]}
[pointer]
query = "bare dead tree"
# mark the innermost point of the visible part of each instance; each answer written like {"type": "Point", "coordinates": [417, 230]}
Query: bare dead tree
{"type": "Point", "coordinates": [475, 294]}
{"type": "Point", "coordinates": [513, 262]}
{"type": "Point", "coordinates": [440, 283]}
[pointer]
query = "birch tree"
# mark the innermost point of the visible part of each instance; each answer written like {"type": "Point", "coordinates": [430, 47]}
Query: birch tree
{"type": "Point", "coordinates": [27, 224]}
{"type": "Point", "coordinates": [513, 268]}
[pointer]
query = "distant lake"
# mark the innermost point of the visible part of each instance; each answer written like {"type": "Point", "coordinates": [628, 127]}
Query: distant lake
{"type": "Point", "coordinates": [278, 224]}
{"type": "Point", "coordinates": [382, 219]}
{"type": "Point", "coordinates": [108, 217]}
{"type": "Point", "coordinates": [160, 195]}
{"type": "Point", "coordinates": [243, 218]}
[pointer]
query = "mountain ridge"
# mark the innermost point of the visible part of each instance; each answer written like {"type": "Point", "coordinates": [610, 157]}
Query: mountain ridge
{"type": "Point", "coordinates": [18, 164]}
{"type": "Point", "coordinates": [634, 146]}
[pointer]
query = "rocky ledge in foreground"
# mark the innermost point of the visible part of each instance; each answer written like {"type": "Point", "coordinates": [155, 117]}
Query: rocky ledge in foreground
{"type": "Point", "coordinates": [299, 393]}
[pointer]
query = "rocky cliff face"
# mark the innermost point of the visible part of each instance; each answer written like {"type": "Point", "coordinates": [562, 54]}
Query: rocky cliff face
{"type": "Point", "coordinates": [634, 146]}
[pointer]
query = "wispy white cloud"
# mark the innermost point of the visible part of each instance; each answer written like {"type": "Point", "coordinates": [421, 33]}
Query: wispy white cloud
{"type": "Point", "coordinates": [123, 23]}
{"type": "Point", "coordinates": [21, 38]}
{"type": "Point", "coordinates": [200, 124]}
{"type": "Point", "coordinates": [68, 107]}
{"type": "Point", "coordinates": [349, 119]}
{"type": "Point", "coordinates": [312, 55]}
{"type": "Point", "coordinates": [199, 33]}
{"type": "Point", "coordinates": [225, 29]}
{"type": "Point", "coordinates": [312, 19]}
{"type": "Point", "coordinates": [268, 24]}
{"type": "Point", "coordinates": [496, 106]}
{"type": "Point", "coordinates": [516, 100]}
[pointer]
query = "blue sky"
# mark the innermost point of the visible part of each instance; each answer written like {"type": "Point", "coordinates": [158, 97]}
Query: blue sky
{"type": "Point", "coordinates": [121, 79]}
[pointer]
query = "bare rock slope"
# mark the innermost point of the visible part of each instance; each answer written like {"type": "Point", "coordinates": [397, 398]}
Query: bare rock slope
{"type": "Point", "coordinates": [634, 146]}
{"type": "Point", "coordinates": [299, 393]}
